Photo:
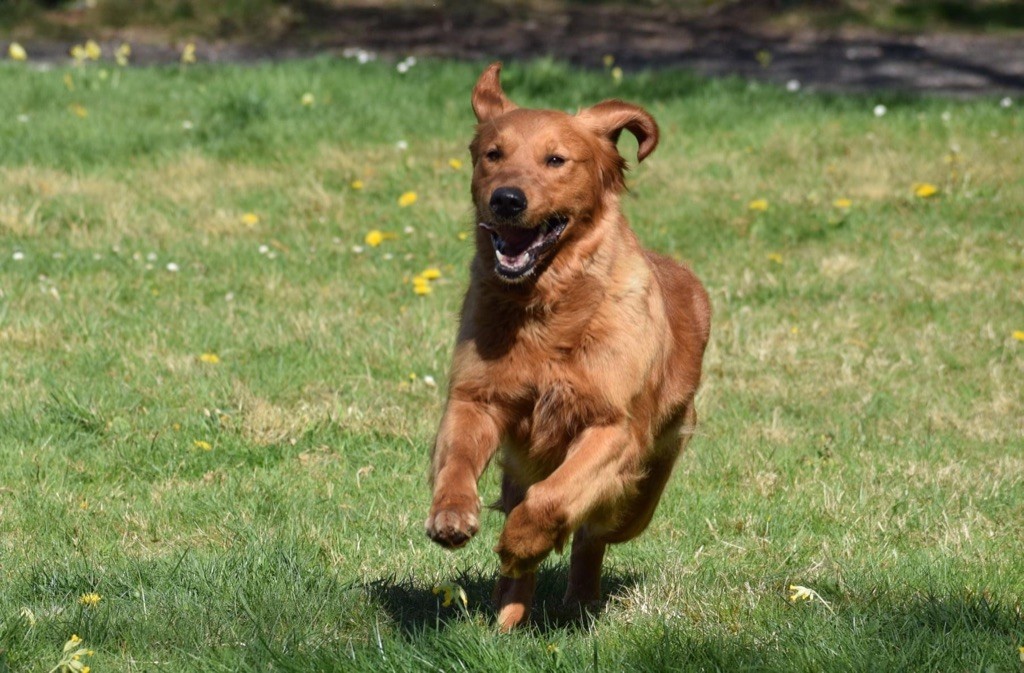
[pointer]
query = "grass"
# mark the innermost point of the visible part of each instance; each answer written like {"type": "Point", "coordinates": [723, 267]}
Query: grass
{"type": "Point", "coordinates": [862, 410]}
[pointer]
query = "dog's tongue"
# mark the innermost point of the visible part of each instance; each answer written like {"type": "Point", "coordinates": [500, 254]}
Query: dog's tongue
{"type": "Point", "coordinates": [516, 239]}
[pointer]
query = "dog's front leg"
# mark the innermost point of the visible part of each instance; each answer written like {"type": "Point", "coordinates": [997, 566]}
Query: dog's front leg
{"type": "Point", "coordinates": [466, 441]}
{"type": "Point", "coordinates": [597, 471]}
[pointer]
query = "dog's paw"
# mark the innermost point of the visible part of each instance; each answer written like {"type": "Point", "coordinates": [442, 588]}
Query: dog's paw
{"type": "Point", "coordinates": [523, 544]}
{"type": "Point", "coordinates": [451, 526]}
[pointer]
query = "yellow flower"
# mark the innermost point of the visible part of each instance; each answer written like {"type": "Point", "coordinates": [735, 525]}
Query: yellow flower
{"type": "Point", "coordinates": [617, 74]}
{"type": "Point", "coordinates": [357, 185]}
{"type": "Point", "coordinates": [17, 52]}
{"type": "Point", "coordinates": [250, 219]}
{"type": "Point", "coordinates": [923, 190]}
{"type": "Point", "coordinates": [775, 257]}
{"type": "Point", "coordinates": [407, 199]}
{"type": "Point", "coordinates": [308, 99]}
{"type": "Point", "coordinates": [201, 444]}
{"type": "Point", "coordinates": [93, 51]}
{"type": "Point", "coordinates": [69, 81]}
{"type": "Point", "coordinates": [374, 238]}
{"type": "Point", "coordinates": [188, 54]}
{"type": "Point", "coordinates": [463, 235]}
{"type": "Point", "coordinates": [800, 593]}
{"type": "Point", "coordinates": [760, 205]}
{"type": "Point", "coordinates": [421, 285]}
{"type": "Point", "coordinates": [451, 591]}
{"type": "Point", "coordinates": [79, 110]}
{"type": "Point", "coordinates": [1018, 335]}
{"type": "Point", "coordinates": [455, 164]}
{"type": "Point", "coordinates": [209, 358]}
{"type": "Point", "coordinates": [1020, 653]}
{"type": "Point", "coordinates": [842, 203]}
{"type": "Point", "coordinates": [73, 640]}
{"type": "Point", "coordinates": [85, 669]}
{"type": "Point", "coordinates": [78, 53]}
{"type": "Point", "coordinates": [608, 60]}
{"type": "Point", "coordinates": [123, 53]}
{"type": "Point", "coordinates": [90, 599]}
{"type": "Point", "coordinates": [431, 273]}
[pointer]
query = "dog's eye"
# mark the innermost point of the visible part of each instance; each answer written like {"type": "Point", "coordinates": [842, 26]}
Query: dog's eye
{"type": "Point", "coordinates": [493, 155]}
{"type": "Point", "coordinates": [554, 161]}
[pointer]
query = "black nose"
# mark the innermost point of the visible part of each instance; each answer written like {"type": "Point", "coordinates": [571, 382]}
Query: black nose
{"type": "Point", "coordinates": [507, 202]}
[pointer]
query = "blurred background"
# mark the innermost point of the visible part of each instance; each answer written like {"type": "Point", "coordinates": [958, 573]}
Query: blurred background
{"type": "Point", "coordinates": [954, 46]}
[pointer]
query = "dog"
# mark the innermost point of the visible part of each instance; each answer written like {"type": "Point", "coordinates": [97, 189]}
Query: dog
{"type": "Point", "coordinates": [578, 352]}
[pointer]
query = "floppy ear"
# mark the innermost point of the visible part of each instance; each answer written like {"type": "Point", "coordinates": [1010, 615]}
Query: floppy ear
{"type": "Point", "coordinates": [489, 100]}
{"type": "Point", "coordinates": [609, 117]}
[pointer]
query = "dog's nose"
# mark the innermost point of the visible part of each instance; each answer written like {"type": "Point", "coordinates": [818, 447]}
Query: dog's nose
{"type": "Point", "coordinates": [507, 202]}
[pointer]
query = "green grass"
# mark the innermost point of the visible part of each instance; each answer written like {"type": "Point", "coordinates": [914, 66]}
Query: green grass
{"type": "Point", "coordinates": [861, 417]}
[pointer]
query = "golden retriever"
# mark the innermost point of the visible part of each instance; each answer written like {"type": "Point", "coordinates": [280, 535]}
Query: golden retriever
{"type": "Point", "coordinates": [578, 352]}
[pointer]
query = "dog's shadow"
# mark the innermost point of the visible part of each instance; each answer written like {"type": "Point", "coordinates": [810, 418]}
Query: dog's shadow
{"type": "Point", "coordinates": [414, 606]}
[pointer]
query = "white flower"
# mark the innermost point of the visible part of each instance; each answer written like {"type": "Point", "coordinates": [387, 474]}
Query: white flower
{"type": "Point", "coordinates": [401, 145]}
{"type": "Point", "coordinates": [946, 116]}
{"type": "Point", "coordinates": [187, 125]}
{"type": "Point", "coordinates": [1006, 102]}
{"type": "Point", "coordinates": [880, 110]}
{"type": "Point", "coordinates": [264, 249]}
{"type": "Point", "coordinates": [357, 249]}
{"type": "Point", "coordinates": [793, 85]}
{"type": "Point", "coordinates": [18, 256]}
{"type": "Point", "coordinates": [230, 296]}
{"type": "Point", "coordinates": [408, 229]}
{"type": "Point", "coordinates": [429, 381]}
{"type": "Point", "coordinates": [172, 267]}
{"type": "Point", "coordinates": [402, 67]}
{"type": "Point", "coordinates": [151, 257]}
{"type": "Point", "coordinates": [23, 119]}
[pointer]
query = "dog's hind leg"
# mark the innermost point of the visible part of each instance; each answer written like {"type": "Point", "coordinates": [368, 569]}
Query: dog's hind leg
{"type": "Point", "coordinates": [514, 596]}
{"type": "Point", "coordinates": [585, 569]}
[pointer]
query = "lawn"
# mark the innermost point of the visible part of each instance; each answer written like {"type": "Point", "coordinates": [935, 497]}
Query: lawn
{"type": "Point", "coordinates": [217, 395]}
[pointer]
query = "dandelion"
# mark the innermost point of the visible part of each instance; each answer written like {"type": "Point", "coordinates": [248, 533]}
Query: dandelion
{"type": "Point", "coordinates": [431, 273]}
{"type": "Point", "coordinates": [924, 190]}
{"type": "Point", "coordinates": [202, 445]}
{"type": "Point", "coordinates": [90, 599]}
{"type": "Point", "coordinates": [357, 185]}
{"type": "Point", "coordinates": [17, 52]}
{"type": "Point", "coordinates": [617, 74]}
{"type": "Point", "coordinates": [843, 204]}
{"type": "Point", "coordinates": [421, 286]}
{"type": "Point", "coordinates": [79, 110]}
{"type": "Point", "coordinates": [308, 99]}
{"type": "Point", "coordinates": [1018, 335]}
{"type": "Point", "coordinates": [250, 219]}
{"type": "Point", "coordinates": [451, 591]}
{"type": "Point", "coordinates": [122, 54]}
{"type": "Point", "coordinates": [374, 238]}
{"type": "Point", "coordinates": [759, 205]}
{"type": "Point", "coordinates": [880, 110]}
{"type": "Point", "coordinates": [775, 257]}
{"type": "Point", "coordinates": [462, 235]}
{"type": "Point", "coordinates": [407, 199]}
{"type": "Point", "coordinates": [188, 54]}
{"type": "Point", "coordinates": [455, 164]}
{"type": "Point", "coordinates": [210, 358]}
{"type": "Point", "coordinates": [92, 50]}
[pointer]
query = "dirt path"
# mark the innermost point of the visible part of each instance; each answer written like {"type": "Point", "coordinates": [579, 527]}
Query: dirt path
{"type": "Point", "coordinates": [722, 44]}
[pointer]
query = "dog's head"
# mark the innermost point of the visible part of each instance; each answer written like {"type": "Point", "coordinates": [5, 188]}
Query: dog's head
{"type": "Point", "coordinates": [541, 177]}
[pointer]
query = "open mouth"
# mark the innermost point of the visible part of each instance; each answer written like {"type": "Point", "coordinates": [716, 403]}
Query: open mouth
{"type": "Point", "coordinates": [517, 249]}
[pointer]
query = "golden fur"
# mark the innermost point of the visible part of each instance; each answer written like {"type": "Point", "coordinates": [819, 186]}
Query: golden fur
{"type": "Point", "coordinates": [583, 370]}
